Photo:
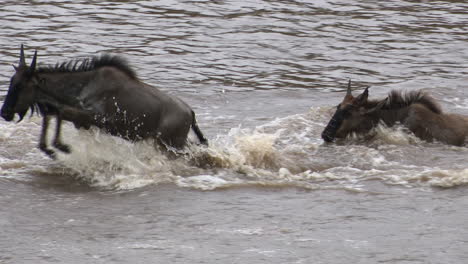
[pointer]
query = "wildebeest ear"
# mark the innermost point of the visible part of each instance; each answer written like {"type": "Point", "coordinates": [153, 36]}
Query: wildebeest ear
{"type": "Point", "coordinates": [16, 68]}
{"type": "Point", "coordinates": [378, 106]}
{"type": "Point", "coordinates": [362, 98]}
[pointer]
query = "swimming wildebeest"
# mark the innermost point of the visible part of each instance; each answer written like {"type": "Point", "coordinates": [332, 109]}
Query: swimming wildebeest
{"type": "Point", "coordinates": [100, 91]}
{"type": "Point", "coordinates": [416, 110]}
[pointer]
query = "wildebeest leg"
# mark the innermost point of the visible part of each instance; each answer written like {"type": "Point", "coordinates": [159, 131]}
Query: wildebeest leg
{"type": "Point", "coordinates": [57, 141]}
{"type": "Point", "coordinates": [170, 152]}
{"type": "Point", "coordinates": [43, 138]}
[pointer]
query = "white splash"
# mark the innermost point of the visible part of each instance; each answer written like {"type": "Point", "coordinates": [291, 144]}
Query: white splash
{"type": "Point", "coordinates": [286, 152]}
{"type": "Point", "coordinates": [447, 178]}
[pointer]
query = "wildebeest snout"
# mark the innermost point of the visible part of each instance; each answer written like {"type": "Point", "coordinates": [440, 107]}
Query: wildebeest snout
{"type": "Point", "coordinates": [7, 114]}
{"type": "Point", "coordinates": [329, 133]}
{"type": "Point", "coordinates": [327, 137]}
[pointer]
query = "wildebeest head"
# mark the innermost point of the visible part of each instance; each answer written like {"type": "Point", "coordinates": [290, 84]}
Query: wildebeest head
{"type": "Point", "coordinates": [352, 115]}
{"type": "Point", "coordinates": [21, 92]}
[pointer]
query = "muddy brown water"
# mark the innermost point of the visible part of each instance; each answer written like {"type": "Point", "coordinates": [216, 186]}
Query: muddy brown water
{"type": "Point", "coordinates": [263, 78]}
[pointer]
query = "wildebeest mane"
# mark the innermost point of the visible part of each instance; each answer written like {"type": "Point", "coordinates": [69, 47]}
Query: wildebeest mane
{"type": "Point", "coordinates": [397, 99]}
{"type": "Point", "coordinates": [90, 64]}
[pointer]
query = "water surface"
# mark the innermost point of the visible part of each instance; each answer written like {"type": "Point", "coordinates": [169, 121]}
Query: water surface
{"type": "Point", "coordinates": [264, 78]}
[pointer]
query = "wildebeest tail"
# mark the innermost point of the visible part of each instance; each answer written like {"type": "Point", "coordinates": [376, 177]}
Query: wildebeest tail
{"type": "Point", "coordinates": [197, 131]}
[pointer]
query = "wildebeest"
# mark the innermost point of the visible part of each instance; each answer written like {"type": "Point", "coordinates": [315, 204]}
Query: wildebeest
{"type": "Point", "coordinates": [416, 110]}
{"type": "Point", "coordinates": [102, 91]}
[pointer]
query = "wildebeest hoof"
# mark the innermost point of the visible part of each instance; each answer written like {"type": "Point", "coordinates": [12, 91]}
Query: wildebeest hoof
{"type": "Point", "coordinates": [50, 153]}
{"type": "Point", "coordinates": [47, 151]}
{"type": "Point", "coordinates": [62, 147]}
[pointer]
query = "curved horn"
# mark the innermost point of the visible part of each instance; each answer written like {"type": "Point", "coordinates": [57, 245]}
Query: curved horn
{"type": "Point", "coordinates": [22, 61]}
{"type": "Point", "coordinates": [33, 63]}
{"type": "Point", "coordinates": [348, 92]}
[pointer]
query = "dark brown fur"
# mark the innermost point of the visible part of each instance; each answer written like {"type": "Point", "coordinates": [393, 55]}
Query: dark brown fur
{"type": "Point", "coordinates": [416, 110]}
{"type": "Point", "coordinates": [100, 91]}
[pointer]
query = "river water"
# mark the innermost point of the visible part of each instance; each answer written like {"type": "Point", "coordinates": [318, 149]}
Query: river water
{"type": "Point", "coordinates": [264, 78]}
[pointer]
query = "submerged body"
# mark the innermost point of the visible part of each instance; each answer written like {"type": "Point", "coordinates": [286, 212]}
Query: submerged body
{"type": "Point", "coordinates": [101, 91]}
{"type": "Point", "coordinates": [447, 128]}
{"type": "Point", "coordinates": [417, 111]}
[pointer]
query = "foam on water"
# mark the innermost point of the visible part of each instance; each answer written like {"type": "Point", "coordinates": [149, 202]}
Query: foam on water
{"type": "Point", "coordinates": [285, 152]}
{"type": "Point", "coordinates": [111, 162]}
{"type": "Point", "coordinates": [448, 178]}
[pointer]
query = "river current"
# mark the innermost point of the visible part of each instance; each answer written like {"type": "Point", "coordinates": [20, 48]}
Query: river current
{"type": "Point", "coordinates": [264, 78]}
